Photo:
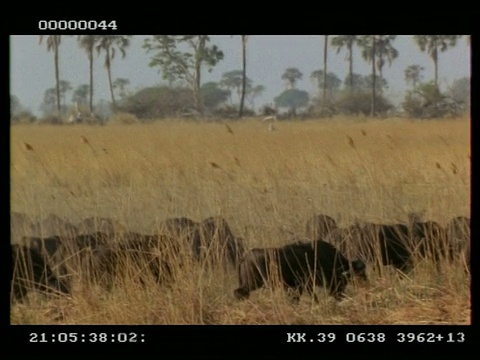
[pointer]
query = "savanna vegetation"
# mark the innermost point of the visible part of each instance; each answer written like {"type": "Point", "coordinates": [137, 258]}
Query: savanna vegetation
{"type": "Point", "coordinates": [183, 59]}
{"type": "Point", "coordinates": [265, 184]}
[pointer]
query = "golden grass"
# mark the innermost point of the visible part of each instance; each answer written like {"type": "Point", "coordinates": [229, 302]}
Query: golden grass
{"type": "Point", "coordinates": [261, 182]}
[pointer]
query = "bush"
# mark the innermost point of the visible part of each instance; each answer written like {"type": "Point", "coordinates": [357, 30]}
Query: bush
{"type": "Point", "coordinates": [359, 103]}
{"type": "Point", "coordinates": [158, 102]}
{"type": "Point", "coordinates": [460, 92]}
{"type": "Point", "coordinates": [23, 117]}
{"type": "Point", "coordinates": [231, 112]}
{"type": "Point", "coordinates": [51, 120]}
{"type": "Point", "coordinates": [123, 118]}
{"type": "Point", "coordinates": [427, 102]}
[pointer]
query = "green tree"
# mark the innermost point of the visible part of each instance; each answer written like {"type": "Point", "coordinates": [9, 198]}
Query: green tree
{"type": "Point", "coordinates": [121, 84]}
{"type": "Point", "coordinates": [347, 41]}
{"type": "Point", "coordinates": [80, 94]}
{"type": "Point", "coordinates": [180, 64]}
{"type": "Point", "coordinates": [64, 87]}
{"type": "Point", "coordinates": [252, 93]}
{"type": "Point", "coordinates": [380, 83]}
{"type": "Point", "coordinates": [363, 83]}
{"type": "Point", "coordinates": [413, 75]}
{"type": "Point", "coordinates": [87, 43]}
{"type": "Point", "coordinates": [356, 82]}
{"type": "Point", "coordinates": [233, 81]}
{"type": "Point", "coordinates": [15, 106]}
{"type": "Point", "coordinates": [426, 101]}
{"type": "Point", "coordinates": [53, 44]}
{"type": "Point", "coordinates": [213, 95]}
{"type": "Point", "coordinates": [50, 101]}
{"type": "Point", "coordinates": [358, 103]}
{"type": "Point", "coordinates": [291, 76]}
{"type": "Point", "coordinates": [459, 91]}
{"type": "Point", "coordinates": [110, 44]}
{"type": "Point", "coordinates": [330, 82]}
{"type": "Point", "coordinates": [433, 44]}
{"type": "Point", "coordinates": [292, 99]}
{"type": "Point", "coordinates": [158, 102]}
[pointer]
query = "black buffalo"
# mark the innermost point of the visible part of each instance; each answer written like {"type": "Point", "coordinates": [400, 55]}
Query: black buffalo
{"type": "Point", "coordinates": [92, 240]}
{"type": "Point", "coordinates": [299, 267]}
{"type": "Point", "coordinates": [95, 224]}
{"type": "Point", "coordinates": [64, 254]}
{"type": "Point", "coordinates": [51, 248]}
{"type": "Point", "coordinates": [375, 243]}
{"type": "Point", "coordinates": [54, 225]}
{"type": "Point", "coordinates": [30, 271]}
{"type": "Point", "coordinates": [214, 241]}
{"type": "Point", "coordinates": [136, 257]}
{"type": "Point", "coordinates": [20, 225]}
{"type": "Point", "coordinates": [45, 245]}
{"type": "Point", "coordinates": [458, 232]}
{"type": "Point", "coordinates": [183, 229]}
{"type": "Point", "coordinates": [180, 227]}
{"type": "Point", "coordinates": [459, 228]}
{"type": "Point", "coordinates": [429, 239]}
{"type": "Point", "coordinates": [319, 226]}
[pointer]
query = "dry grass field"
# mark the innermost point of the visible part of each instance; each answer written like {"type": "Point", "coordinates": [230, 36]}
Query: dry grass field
{"type": "Point", "coordinates": [265, 184]}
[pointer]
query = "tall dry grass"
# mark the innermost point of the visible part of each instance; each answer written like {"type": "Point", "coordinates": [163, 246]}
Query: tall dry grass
{"type": "Point", "coordinates": [264, 183]}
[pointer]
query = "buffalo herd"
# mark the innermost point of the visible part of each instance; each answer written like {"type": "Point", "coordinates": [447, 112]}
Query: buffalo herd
{"type": "Point", "coordinates": [328, 256]}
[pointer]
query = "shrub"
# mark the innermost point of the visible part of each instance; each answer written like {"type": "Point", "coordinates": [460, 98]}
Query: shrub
{"type": "Point", "coordinates": [158, 102]}
{"type": "Point", "coordinates": [123, 118]}
{"type": "Point", "coordinates": [427, 102]}
{"type": "Point", "coordinates": [359, 103]}
{"type": "Point", "coordinates": [23, 117]}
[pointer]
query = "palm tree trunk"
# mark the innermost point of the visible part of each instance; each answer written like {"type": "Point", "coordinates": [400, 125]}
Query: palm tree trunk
{"type": "Point", "coordinates": [350, 70]}
{"type": "Point", "coordinates": [373, 77]}
{"type": "Point", "coordinates": [196, 89]}
{"type": "Point", "coordinates": [244, 73]}
{"type": "Point", "coordinates": [380, 79]}
{"type": "Point", "coordinates": [435, 63]}
{"type": "Point", "coordinates": [91, 80]}
{"type": "Point", "coordinates": [325, 49]}
{"type": "Point", "coordinates": [57, 79]}
{"type": "Point", "coordinates": [197, 80]}
{"type": "Point", "coordinates": [108, 66]}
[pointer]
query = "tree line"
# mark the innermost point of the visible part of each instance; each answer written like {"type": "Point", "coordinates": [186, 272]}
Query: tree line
{"type": "Point", "coordinates": [181, 60]}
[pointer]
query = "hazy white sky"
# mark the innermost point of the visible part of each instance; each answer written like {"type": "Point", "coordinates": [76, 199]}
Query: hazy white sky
{"type": "Point", "coordinates": [32, 69]}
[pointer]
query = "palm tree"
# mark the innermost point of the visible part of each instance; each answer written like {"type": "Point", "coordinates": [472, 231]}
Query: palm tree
{"type": "Point", "coordinates": [348, 41]}
{"type": "Point", "coordinates": [413, 75]}
{"type": "Point", "coordinates": [244, 73]}
{"type": "Point", "coordinates": [368, 45]}
{"type": "Point", "coordinates": [87, 42]}
{"type": "Point", "coordinates": [325, 52]}
{"type": "Point", "coordinates": [291, 76]}
{"type": "Point", "coordinates": [384, 48]}
{"type": "Point", "coordinates": [53, 43]}
{"type": "Point", "coordinates": [432, 44]}
{"type": "Point", "coordinates": [110, 44]}
{"type": "Point", "coordinates": [374, 76]}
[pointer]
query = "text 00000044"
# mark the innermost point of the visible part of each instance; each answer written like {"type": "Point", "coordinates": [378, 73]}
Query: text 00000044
{"type": "Point", "coordinates": [77, 25]}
